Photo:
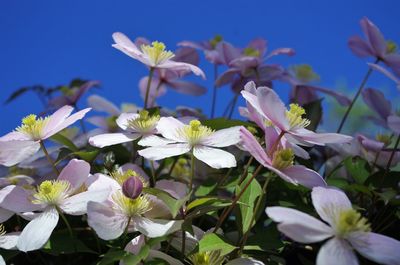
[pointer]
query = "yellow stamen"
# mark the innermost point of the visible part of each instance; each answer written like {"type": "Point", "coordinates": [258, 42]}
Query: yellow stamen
{"type": "Point", "coordinates": [33, 126]}
{"type": "Point", "coordinates": [157, 53]}
{"type": "Point", "coordinates": [207, 258]}
{"type": "Point", "coordinates": [283, 158]}
{"type": "Point", "coordinates": [121, 177]}
{"type": "Point", "coordinates": [391, 46]}
{"type": "Point", "coordinates": [195, 132]}
{"type": "Point", "coordinates": [384, 138]}
{"type": "Point", "coordinates": [251, 52]}
{"type": "Point", "coordinates": [304, 73]}
{"type": "Point", "coordinates": [294, 116]}
{"type": "Point", "coordinates": [144, 123]}
{"type": "Point", "coordinates": [131, 207]}
{"type": "Point", "coordinates": [2, 230]}
{"type": "Point", "coordinates": [52, 192]}
{"type": "Point", "coordinates": [217, 39]}
{"type": "Point", "coordinates": [351, 221]}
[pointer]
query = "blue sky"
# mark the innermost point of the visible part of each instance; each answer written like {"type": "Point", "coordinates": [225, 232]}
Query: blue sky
{"type": "Point", "coordinates": [51, 42]}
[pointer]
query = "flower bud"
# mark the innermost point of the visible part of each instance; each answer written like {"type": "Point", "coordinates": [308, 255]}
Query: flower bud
{"type": "Point", "coordinates": [132, 187]}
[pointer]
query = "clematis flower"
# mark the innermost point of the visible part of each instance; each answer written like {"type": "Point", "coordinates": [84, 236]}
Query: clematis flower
{"type": "Point", "coordinates": [376, 46]}
{"type": "Point", "coordinates": [195, 138]}
{"type": "Point", "coordinates": [281, 162]}
{"type": "Point", "coordinates": [54, 197]}
{"type": "Point", "coordinates": [25, 140]}
{"type": "Point", "coordinates": [7, 241]}
{"type": "Point", "coordinates": [289, 123]}
{"type": "Point", "coordinates": [345, 228]}
{"type": "Point", "coordinates": [136, 125]}
{"type": "Point", "coordinates": [154, 55]}
{"type": "Point", "coordinates": [301, 77]}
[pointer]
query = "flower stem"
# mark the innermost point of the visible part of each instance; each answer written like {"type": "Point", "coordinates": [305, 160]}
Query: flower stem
{"type": "Point", "coordinates": [392, 154]}
{"type": "Point", "coordinates": [153, 173]}
{"type": "Point", "coordinates": [233, 105]}
{"type": "Point", "coordinates": [49, 158]}
{"type": "Point", "coordinates": [70, 231]}
{"type": "Point", "coordinates": [192, 168]}
{"type": "Point", "coordinates": [276, 144]}
{"type": "Point", "coordinates": [214, 99]}
{"type": "Point", "coordinates": [364, 81]}
{"type": "Point", "coordinates": [146, 99]}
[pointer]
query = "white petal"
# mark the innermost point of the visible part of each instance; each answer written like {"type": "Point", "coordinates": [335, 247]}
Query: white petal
{"type": "Point", "coordinates": [213, 157]}
{"type": "Point", "coordinates": [299, 226]}
{"type": "Point", "coordinates": [101, 104]}
{"type": "Point", "coordinates": [335, 252]}
{"type": "Point", "coordinates": [135, 244]}
{"type": "Point", "coordinates": [160, 255]}
{"type": "Point", "coordinates": [10, 240]}
{"type": "Point", "coordinates": [123, 119]}
{"type": "Point", "coordinates": [38, 231]}
{"type": "Point", "coordinates": [5, 215]}
{"type": "Point", "coordinates": [376, 247]}
{"type": "Point", "coordinates": [156, 227]}
{"type": "Point", "coordinates": [2, 261]}
{"type": "Point", "coordinates": [107, 223]}
{"type": "Point", "coordinates": [168, 127]}
{"type": "Point", "coordinates": [245, 261]}
{"type": "Point", "coordinates": [108, 139]}
{"type": "Point", "coordinates": [161, 152]}
{"type": "Point", "coordinates": [154, 140]}
{"type": "Point", "coordinates": [224, 137]}
{"type": "Point", "coordinates": [329, 202]}
{"type": "Point", "coordinates": [16, 199]}
{"type": "Point", "coordinates": [75, 172]}
{"type": "Point", "coordinates": [77, 204]}
{"type": "Point", "coordinates": [15, 151]}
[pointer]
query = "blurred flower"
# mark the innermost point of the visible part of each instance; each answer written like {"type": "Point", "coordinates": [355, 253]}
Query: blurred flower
{"type": "Point", "coordinates": [377, 102]}
{"type": "Point", "coordinates": [347, 230]}
{"type": "Point", "coordinates": [195, 138]}
{"type": "Point", "coordinates": [385, 72]}
{"type": "Point", "coordinates": [375, 45]}
{"type": "Point", "coordinates": [25, 140]}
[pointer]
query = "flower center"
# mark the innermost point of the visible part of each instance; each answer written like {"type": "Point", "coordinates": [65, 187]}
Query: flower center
{"type": "Point", "coordinates": [131, 207]}
{"type": "Point", "coordinates": [207, 258]}
{"type": "Point", "coordinates": [195, 132]}
{"type": "Point", "coordinates": [304, 73]}
{"type": "Point", "coordinates": [391, 46]}
{"type": "Point", "coordinates": [157, 53]}
{"type": "Point", "coordinates": [283, 158]}
{"type": "Point", "coordinates": [52, 192]}
{"type": "Point", "coordinates": [33, 126]}
{"type": "Point", "coordinates": [249, 51]}
{"type": "Point", "coordinates": [350, 221]}
{"type": "Point", "coordinates": [384, 138]}
{"type": "Point", "coordinates": [121, 177]}
{"type": "Point", "coordinates": [144, 123]}
{"type": "Point", "coordinates": [295, 117]}
{"type": "Point", "coordinates": [2, 230]}
{"type": "Point", "coordinates": [217, 39]}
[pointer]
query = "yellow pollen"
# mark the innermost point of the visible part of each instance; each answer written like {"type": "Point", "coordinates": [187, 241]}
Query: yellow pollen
{"type": "Point", "coordinates": [144, 123]}
{"type": "Point", "coordinates": [157, 53]}
{"type": "Point", "coordinates": [121, 177]}
{"type": "Point", "coordinates": [251, 52]}
{"type": "Point", "coordinates": [181, 169]}
{"type": "Point", "coordinates": [351, 221]}
{"type": "Point", "coordinates": [383, 138]}
{"type": "Point", "coordinates": [131, 207]}
{"type": "Point", "coordinates": [52, 192]}
{"type": "Point", "coordinates": [283, 158]}
{"type": "Point", "coordinates": [391, 46]}
{"type": "Point", "coordinates": [207, 258]}
{"type": "Point", "coordinates": [217, 39]}
{"type": "Point", "coordinates": [304, 73]}
{"type": "Point", "coordinates": [195, 132]}
{"type": "Point", "coordinates": [294, 116]}
{"type": "Point", "coordinates": [33, 126]}
{"type": "Point", "coordinates": [2, 230]}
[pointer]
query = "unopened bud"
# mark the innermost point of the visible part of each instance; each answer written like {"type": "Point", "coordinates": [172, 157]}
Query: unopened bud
{"type": "Point", "coordinates": [132, 187]}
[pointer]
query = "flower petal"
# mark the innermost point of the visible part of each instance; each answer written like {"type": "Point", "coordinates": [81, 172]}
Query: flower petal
{"type": "Point", "coordinates": [75, 172]}
{"type": "Point", "coordinates": [224, 137]}
{"type": "Point", "coordinates": [304, 176]}
{"type": "Point", "coordinates": [107, 139]}
{"type": "Point", "coordinates": [374, 36]}
{"type": "Point", "coordinates": [38, 231]}
{"type": "Point", "coordinates": [377, 102]}
{"type": "Point", "coordinates": [394, 123]}
{"type": "Point", "coordinates": [57, 118]}
{"type": "Point", "coordinates": [161, 152]}
{"type": "Point", "coordinates": [168, 127]}
{"type": "Point", "coordinates": [101, 104]}
{"type": "Point", "coordinates": [16, 199]}
{"type": "Point", "coordinates": [77, 204]}
{"type": "Point", "coordinates": [5, 215]}
{"type": "Point", "coordinates": [123, 119]}
{"type": "Point", "coordinates": [187, 88]}
{"type": "Point", "coordinates": [360, 47]}
{"type": "Point", "coordinates": [329, 202]}
{"type": "Point", "coordinates": [245, 261]}
{"type": "Point", "coordinates": [376, 247]}
{"type": "Point", "coordinates": [320, 138]}
{"type": "Point", "coordinates": [336, 251]}
{"type": "Point", "coordinates": [154, 140]}
{"type": "Point", "coordinates": [156, 227]}
{"type": "Point", "coordinates": [169, 64]}
{"type": "Point", "coordinates": [299, 226]}
{"type": "Point", "coordinates": [250, 143]}
{"type": "Point", "coordinates": [155, 254]}
{"type": "Point", "coordinates": [213, 157]}
{"type": "Point", "coordinates": [14, 152]}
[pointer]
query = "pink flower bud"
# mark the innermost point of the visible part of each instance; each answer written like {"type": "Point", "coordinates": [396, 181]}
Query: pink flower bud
{"type": "Point", "coordinates": [132, 187]}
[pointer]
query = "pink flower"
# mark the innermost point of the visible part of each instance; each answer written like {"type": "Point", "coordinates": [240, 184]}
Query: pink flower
{"type": "Point", "coordinates": [195, 138]}
{"type": "Point", "coordinates": [280, 161]}
{"type": "Point", "coordinates": [25, 141]}
{"type": "Point", "coordinates": [154, 56]}
{"type": "Point", "coordinates": [290, 123]}
{"type": "Point", "coordinates": [345, 228]}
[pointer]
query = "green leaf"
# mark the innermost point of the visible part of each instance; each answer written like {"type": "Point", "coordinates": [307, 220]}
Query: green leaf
{"type": "Point", "coordinates": [173, 204]}
{"type": "Point", "coordinates": [222, 123]}
{"type": "Point", "coordinates": [211, 242]}
{"type": "Point", "coordinates": [61, 139]}
{"type": "Point", "coordinates": [248, 199]}
{"type": "Point", "coordinates": [88, 156]}
{"type": "Point", "coordinates": [209, 201]}
{"type": "Point", "coordinates": [112, 256]}
{"type": "Point", "coordinates": [358, 168]}
{"type": "Point", "coordinates": [60, 242]}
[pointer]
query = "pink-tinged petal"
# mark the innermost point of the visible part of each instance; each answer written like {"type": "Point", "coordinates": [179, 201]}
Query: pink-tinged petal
{"type": "Point", "coordinates": [77, 204]}
{"type": "Point", "coordinates": [16, 199]}
{"type": "Point", "coordinates": [101, 104]}
{"type": "Point", "coordinates": [187, 88]}
{"type": "Point", "coordinates": [299, 226]}
{"type": "Point", "coordinates": [9, 241]}
{"type": "Point", "coordinates": [245, 261]}
{"type": "Point", "coordinates": [253, 147]}
{"type": "Point", "coordinates": [135, 168]}
{"type": "Point", "coordinates": [394, 123]}
{"type": "Point", "coordinates": [385, 72]}
{"type": "Point", "coordinates": [123, 119]}
{"type": "Point", "coordinates": [49, 131]}
{"type": "Point", "coordinates": [280, 51]}
{"type": "Point", "coordinates": [5, 215]}
{"type": "Point", "coordinates": [168, 127]}
{"type": "Point", "coordinates": [135, 244]}
{"type": "Point", "coordinates": [377, 102]}
{"type": "Point", "coordinates": [14, 136]}
{"type": "Point", "coordinates": [154, 140]}
{"type": "Point", "coordinates": [300, 152]}
{"type": "Point", "coordinates": [125, 45]}
{"type": "Point", "coordinates": [161, 152]}
{"type": "Point", "coordinates": [14, 152]}
{"type": "Point", "coordinates": [107, 139]}
{"type": "Point", "coordinates": [320, 138]}
{"type": "Point", "coordinates": [213, 157]}
{"type": "Point", "coordinates": [273, 108]}
{"type": "Point", "coordinates": [336, 251]}
{"type": "Point", "coordinates": [177, 189]}
{"type": "Point", "coordinates": [75, 172]}
{"type": "Point", "coordinates": [38, 231]}
{"type": "Point", "coordinates": [304, 176]}
{"type": "Point", "coordinates": [342, 99]}
{"type": "Point", "coordinates": [157, 89]}
{"type": "Point", "coordinates": [374, 36]}
{"type": "Point", "coordinates": [329, 202]}
{"type": "Point", "coordinates": [393, 61]}
{"type": "Point", "coordinates": [156, 227]}
{"type": "Point", "coordinates": [155, 254]}
{"type": "Point", "coordinates": [180, 65]}
{"type": "Point", "coordinates": [222, 138]}
{"type": "Point", "coordinates": [378, 248]}
{"type": "Point", "coordinates": [227, 52]}
{"type": "Point", "coordinates": [227, 77]}
{"type": "Point", "coordinates": [359, 47]}
{"type": "Point", "coordinates": [98, 121]}
{"type": "Point", "coordinates": [187, 55]}
{"type": "Point", "coordinates": [99, 182]}
{"type": "Point", "coordinates": [57, 118]}
{"type": "Point", "coordinates": [107, 223]}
